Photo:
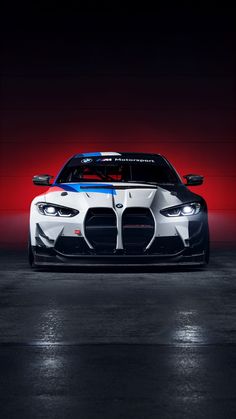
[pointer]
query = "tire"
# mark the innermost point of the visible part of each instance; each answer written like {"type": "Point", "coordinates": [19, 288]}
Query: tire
{"type": "Point", "coordinates": [30, 254]}
{"type": "Point", "coordinates": [207, 254]}
{"type": "Point", "coordinates": [207, 247]}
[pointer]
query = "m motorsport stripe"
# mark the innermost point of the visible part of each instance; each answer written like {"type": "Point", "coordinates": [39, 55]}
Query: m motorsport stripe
{"type": "Point", "coordinates": [90, 154]}
{"type": "Point", "coordinates": [85, 187]}
{"type": "Point", "coordinates": [95, 154]}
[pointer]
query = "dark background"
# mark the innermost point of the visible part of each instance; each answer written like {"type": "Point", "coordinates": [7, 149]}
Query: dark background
{"type": "Point", "coordinates": [114, 80]}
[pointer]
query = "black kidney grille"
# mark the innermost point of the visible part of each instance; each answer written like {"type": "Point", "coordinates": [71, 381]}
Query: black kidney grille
{"type": "Point", "coordinates": [101, 229]}
{"type": "Point", "coordinates": [137, 229]}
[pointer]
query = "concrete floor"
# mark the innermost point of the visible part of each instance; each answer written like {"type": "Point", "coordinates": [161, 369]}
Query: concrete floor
{"type": "Point", "coordinates": [120, 344]}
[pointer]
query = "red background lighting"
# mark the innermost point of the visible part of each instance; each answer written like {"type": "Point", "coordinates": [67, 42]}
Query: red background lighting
{"type": "Point", "coordinates": [26, 154]}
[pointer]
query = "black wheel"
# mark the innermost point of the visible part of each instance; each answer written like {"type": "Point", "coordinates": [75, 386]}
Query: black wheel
{"type": "Point", "coordinates": [30, 253]}
{"type": "Point", "coordinates": [207, 253]}
{"type": "Point", "coordinates": [207, 247]}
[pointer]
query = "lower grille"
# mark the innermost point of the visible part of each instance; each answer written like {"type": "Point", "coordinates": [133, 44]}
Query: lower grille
{"type": "Point", "coordinates": [72, 246]}
{"type": "Point", "coordinates": [166, 246]}
{"type": "Point", "coordinates": [101, 229]}
{"type": "Point", "coordinates": [137, 229]}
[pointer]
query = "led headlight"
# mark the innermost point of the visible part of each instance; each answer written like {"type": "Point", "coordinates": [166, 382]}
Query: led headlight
{"type": "Point", "coordinates": [186, 209]}
{"type": "Point", "coordinates": [56, 210]}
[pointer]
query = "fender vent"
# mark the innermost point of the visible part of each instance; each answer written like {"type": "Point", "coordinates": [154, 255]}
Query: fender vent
{"type": "Point", "coordinates": [137, 229]}
{"type": "Point", "coordinates": [101, 229]}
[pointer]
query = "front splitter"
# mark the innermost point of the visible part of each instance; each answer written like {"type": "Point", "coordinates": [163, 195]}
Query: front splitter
{"type": "Point", "coordinates": [54, 259]}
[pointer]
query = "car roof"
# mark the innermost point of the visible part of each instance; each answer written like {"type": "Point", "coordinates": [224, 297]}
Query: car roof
{"type": "Point", "coordinates": [116, 153]}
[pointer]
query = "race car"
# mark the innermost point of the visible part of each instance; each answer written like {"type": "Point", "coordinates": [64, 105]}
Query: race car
{"type": "Point", "coordinates": [114, 208]}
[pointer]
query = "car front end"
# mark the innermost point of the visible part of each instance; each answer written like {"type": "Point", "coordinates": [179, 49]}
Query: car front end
{"type": "Point", "coordinates": [117, 220]}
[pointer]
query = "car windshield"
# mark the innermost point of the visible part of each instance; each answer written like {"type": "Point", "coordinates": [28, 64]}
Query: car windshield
{"type": "Point", "coordinates": [92, 171]}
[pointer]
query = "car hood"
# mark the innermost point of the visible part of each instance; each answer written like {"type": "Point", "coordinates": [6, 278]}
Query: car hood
{"type": "Point", "coordinates": [119, 195]}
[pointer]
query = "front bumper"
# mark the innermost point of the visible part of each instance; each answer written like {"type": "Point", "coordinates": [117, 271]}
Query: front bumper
{"type": "Point", "coordinates": [50, 257]}
{"type": "Point", "coordinates": [184, 242]}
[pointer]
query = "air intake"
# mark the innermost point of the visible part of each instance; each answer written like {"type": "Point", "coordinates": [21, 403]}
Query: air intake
{"type": "Point", "coordinates": [137, 229]}
{"type": "Point", "coordinates": [101, 229]}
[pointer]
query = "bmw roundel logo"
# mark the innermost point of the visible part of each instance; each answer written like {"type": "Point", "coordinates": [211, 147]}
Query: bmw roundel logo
{"type": "Point", "coordinates": [86, 161]}
{"type": "Point", "coordinates": [119, 206]}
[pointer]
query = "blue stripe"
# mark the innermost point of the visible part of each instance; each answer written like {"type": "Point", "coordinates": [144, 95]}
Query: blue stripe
{"type": "Point", "coordinates": [86, 187]}
{"type": "Point", "coordinates": [88, 155]}
{"type": "Point", "coordinates": [91, 154]}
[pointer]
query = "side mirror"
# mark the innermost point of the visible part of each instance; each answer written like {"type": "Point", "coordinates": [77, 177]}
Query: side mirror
{"type": "Point", "coordinates": [193, 180]}
{"type": "Point", "coordinates": [42, 180]}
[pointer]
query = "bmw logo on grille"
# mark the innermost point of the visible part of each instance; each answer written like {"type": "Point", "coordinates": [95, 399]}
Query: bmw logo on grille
{"type": "Point", "coordinates": [119, 206]}
{"type": "Point", "coordinates": [86, 161]}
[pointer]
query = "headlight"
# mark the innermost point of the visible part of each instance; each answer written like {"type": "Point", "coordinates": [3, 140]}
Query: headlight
{"type": "Point", "coordinates": [56, 210]}
{"type": "Point", "coordinates": [186, 209]}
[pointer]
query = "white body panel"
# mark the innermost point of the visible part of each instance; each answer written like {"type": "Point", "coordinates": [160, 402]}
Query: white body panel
{"type": "Point", "coordinates": [49, 228]}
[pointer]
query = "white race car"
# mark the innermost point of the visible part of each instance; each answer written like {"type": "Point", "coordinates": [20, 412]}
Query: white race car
{"type": "Point", "coordinates": [118, 208]}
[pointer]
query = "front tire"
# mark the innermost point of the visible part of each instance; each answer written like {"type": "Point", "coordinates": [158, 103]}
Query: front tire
{"type": "Point", "coordinates": [207, 247]}
{"type": "Point", "coordinates": [30, 254]}
{"type": "Point", "coordinates": [207, 253]}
